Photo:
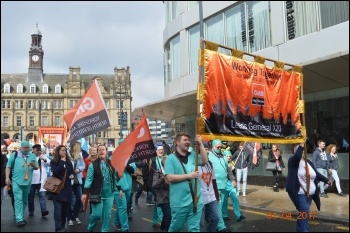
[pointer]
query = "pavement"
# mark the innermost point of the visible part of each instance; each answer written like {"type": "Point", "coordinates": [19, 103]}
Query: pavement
{"type": "Point", "coordinates": [333, 209]}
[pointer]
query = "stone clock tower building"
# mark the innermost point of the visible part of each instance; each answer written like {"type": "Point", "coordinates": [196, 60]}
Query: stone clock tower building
{"type": "Point", "coordinates": [35, 98]}
{"type": "Point", "coordinates": [36, 56]}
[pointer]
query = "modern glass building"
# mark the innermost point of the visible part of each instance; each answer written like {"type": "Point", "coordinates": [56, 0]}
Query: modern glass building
{"type": "Point", "coordinates": [311, 34]}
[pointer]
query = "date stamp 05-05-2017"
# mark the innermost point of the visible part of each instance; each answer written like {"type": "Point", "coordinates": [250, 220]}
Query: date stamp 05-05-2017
{"type": "Point", "coordinates": [288, 215]}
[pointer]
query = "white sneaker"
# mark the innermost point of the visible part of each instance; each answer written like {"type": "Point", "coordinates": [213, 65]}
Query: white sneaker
{"type": "Point", "coordinates": [244, 194]}
{"type": "Point", "coordinates": [70, 223]}
{"type": "Point", "coordinates": [77, 221]}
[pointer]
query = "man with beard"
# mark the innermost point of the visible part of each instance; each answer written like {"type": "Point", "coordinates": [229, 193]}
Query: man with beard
{"type": "Point", "coordinates": [21, 179]}
{"type": "Point", "coordinates": [180, 171]}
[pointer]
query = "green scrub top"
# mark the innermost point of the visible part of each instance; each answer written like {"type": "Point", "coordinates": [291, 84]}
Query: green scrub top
{"type": "Point", "coordinates": [106, 191]}
{"type": "Point", "coordinates": [220, 168]}
{"type": "Point", "coordinates": [180, 193]}
{"type": "Point", "coordinates": [19, 169]}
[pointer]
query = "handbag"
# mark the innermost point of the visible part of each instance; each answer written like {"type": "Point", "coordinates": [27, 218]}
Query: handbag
{"type": "Point", "coordinates": [54, 185]}
{"type": "Point", "coordinates": [94, 198]}
{"type": "Point", "coordinates": [271, 166]}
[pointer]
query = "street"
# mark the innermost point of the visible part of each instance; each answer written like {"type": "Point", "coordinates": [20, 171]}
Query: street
{"type": "Point", "coordinates": [256, 221]}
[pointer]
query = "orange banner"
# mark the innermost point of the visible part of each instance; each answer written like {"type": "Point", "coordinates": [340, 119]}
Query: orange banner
{"type": "Point", "coordinates": [138, 145]}
{"type": "Point", "coordinates": [246, 100]}
{"type": "Point", "coordinates": [51, 136]}
{"type": "Point", "coordinates": [89, 115]}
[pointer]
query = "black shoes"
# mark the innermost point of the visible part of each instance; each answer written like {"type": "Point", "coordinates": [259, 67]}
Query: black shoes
{"type": "Point", "coordinates": [44, 213]}
{"type": "Point", "coordinates": [275, 189]}
{"type": "Point", "coordinates": [21, 223]}
{"type": "Point", "coordinates": [31, 214]}
{"type": "Point", "coordinates": [226, 218]}
{"type": "Point", "coordinates": [241, 218]}
{"type": "Point", "coordinates": [341, 194]}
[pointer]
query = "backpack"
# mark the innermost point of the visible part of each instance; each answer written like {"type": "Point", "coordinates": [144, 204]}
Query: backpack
{"type": "Point", "coordinates": [10, 190]}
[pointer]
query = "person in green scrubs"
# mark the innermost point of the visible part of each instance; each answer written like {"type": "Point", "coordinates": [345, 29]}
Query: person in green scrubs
{"type": "Point", "coordinates": [223, 175]}
{"type": "Point", "coordinates": [181, 200]}
{"type": "Point", "coordinates": [23, 166]}
{"type": "Point", "coordinates": [101, 179]}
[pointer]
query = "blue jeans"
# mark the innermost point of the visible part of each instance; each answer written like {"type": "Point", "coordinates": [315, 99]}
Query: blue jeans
{"type": "Point", "coordinates": [73, 214]}
{"type": "Point", "coordinates": [60, 214]}
{"type": "Point", "coordinates": [241, 172]}
{"type": "Point", "coordinates": [213, 213]}
{"type": "Point", "coordinates": [321, 184]}
{"type": "Point", "coordinates": [166, 220]}
{"type": "Point", "coordinates": [42, 199]}
{"type": "Point", "coordinates": [304, 206]}
{"type": "Point", "coordinates": [149, 197]}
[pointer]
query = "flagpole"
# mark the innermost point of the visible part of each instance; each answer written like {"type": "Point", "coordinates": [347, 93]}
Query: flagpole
{"type": "Point", "coordinates": [200, 80]}
{"type": "Point", "coordinates": [307, 172]}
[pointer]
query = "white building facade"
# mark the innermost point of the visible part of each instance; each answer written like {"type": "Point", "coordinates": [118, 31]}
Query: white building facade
{"type": "Point", "coordinates": [311, 34]}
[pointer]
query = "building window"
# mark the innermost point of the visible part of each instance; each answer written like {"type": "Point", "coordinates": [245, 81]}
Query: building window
{"type": "Point", "coordinates": [32, 88]}
{"type": "Point", "coordinates": [19, 104]}
{"type": "Point", "coordinates": [106, 103]}
{"type": "Point", "coordinates": [215, 30]}
{"type": "Point", "coordinates": [236, 33]}
{"type": "Point", "coordinates": [193, 48]}
{"type": "Point", "coordinates": [173, 59]}
{"type": "Point", "coordinates": [45, 89]}
{"type": "Point", "coordinates": [20, 88]}
{"type": "Point", "coordinates": [259, 30]}
{"type": "Point", "coordinates": [57, 104]}
{"type": "Point", "coordinates": [44, 120]}
{"type": "Point", "coordinates": [58, 89]}
{"type": "Point", "coordinates": [301, 18]}
{"type": "Point", "coordinates": [72, 103]}
{"type": "Point", "coordinates": [18, 121]}
{"type": "Point", "coordinates": [5, 121]}
{"type": "Point", "coordinates": [32, 104]}
{"type": "Point", "coordinates": [31, 121]}
{"type": "Point", "coordinates": [7, 88]}
{"type": "Point", "coordinates": [333, 13]}
{"type": "Point", "coordinates": [119, 104]}
{"type": "Point", "coordinates": [57, 120]}
{"type": "Point", "coordinates": [6, 104]}
{"type": "Point", "coordinates": [42, 104]}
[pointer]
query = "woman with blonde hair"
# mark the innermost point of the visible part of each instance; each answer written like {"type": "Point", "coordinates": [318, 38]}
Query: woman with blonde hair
{"type": "Point", "coordinates": [334, 166]}
{"type": "Point", "coordinates": [78, 168]}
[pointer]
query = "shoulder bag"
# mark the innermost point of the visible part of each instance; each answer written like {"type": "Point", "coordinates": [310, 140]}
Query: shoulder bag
{"type": "Point", "coordinates": [94, 198]}
{"type": "Point", "coordinates": [271, 166]}
{"type": "Point", "coordinates": [55, 185]}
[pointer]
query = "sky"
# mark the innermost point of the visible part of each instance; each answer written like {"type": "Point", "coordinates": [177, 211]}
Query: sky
{"type": "Point", "coordinates": [97, 36]}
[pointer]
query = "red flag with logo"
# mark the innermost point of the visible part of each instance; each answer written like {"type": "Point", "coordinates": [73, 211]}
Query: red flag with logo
{"type": "Point", "coordinates": [138, 145]}
{"type": "Point", "coordinates": [89, 115]}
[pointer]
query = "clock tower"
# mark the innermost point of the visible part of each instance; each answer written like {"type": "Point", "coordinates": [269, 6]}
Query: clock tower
{"type": "Point", "coordinates": [36, 55]}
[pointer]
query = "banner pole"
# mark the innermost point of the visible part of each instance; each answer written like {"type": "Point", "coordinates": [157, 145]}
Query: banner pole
{"type": "Point", "coordinates": [200, 80]}
{"type": "Point", "coordinates": [305, 146]}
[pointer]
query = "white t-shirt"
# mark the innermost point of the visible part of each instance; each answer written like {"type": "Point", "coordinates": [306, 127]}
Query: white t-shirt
{"type": "Point", "coordinates": [206, 176]}
{"type": "Point", "coordinates": [302, 178]}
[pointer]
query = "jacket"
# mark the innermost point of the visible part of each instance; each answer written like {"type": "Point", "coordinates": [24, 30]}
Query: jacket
{"type": "Point", "coordinates": [161, 187]}
{"type": "Point", "coordinates": [319, 159]}
{"type": "Point", "coordinates": [244, 160]}
{"type": "Point", "coordinates": [81, 166]}
{"type": "Point", "coordinates": [58, 170]}
{"type": "Point", "coordinates": [96, 185]}
{"type": "Point", "coordinates": [272, 158]}
{"type": "Point", "coordinates": [333, 162]}
{"type": "Point", "coordinates": [293, 184]}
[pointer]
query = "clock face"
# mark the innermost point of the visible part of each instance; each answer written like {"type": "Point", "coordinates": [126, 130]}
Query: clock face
{"type": "Point", "coordinates": [35, 58]}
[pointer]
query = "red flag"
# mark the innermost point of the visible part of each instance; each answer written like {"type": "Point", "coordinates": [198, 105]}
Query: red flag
{"type": "Point", "coordinates": [89, 115]}
{"type": "Point", "coordinates": [137, 146]}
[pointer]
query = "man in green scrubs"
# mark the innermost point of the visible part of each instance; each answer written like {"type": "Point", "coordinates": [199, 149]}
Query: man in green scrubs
{"type": "Point", "coordinates": [181, 200]}
{"type": "Point", "coordinates": [23, 165]}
